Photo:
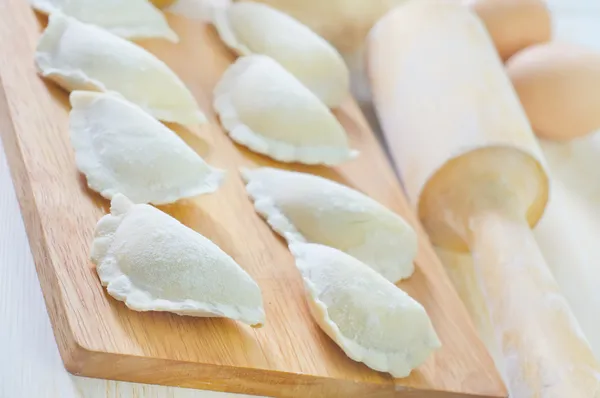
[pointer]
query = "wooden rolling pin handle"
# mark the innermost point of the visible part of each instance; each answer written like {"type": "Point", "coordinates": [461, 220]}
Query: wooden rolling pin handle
{"type": "Point", "coordinates": [544, 351]}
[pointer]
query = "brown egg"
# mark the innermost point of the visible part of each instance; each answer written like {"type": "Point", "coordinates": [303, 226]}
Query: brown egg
{"type": "Point", "coordinates": [162, 3]}
{"type": "Point", "coordinates": [559, 87]}
{"type": "Point", "coordinates": [514, 24]}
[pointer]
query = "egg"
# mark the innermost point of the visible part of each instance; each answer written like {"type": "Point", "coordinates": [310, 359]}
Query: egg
{"type": "Point", "coordinates": [514, 24]}
{"type": "Point", "coordinates": [559, 87]}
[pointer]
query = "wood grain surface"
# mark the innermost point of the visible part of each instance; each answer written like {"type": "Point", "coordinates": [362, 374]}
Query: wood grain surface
{"type": "Point", "coordinates": [290, 357]}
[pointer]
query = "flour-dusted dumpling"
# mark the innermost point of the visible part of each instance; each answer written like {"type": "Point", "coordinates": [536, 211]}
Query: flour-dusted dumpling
{"type": "Point", "coordinates": [372, 320]}
{"type": "Point", "coordinates": [152, 262]}
{"type": "Point", "coordinates": [130, 19]}
{"type": "Point", "coordinates": [80, 56]}
{"type": "Point", "coordinates": [267, 109]}
{"type": "Point", "coordinates": [255, 28]}
{"type": "Point", "coordinates": [343, 23]}
{"type": "Point", "coordinates": [122, 149]}
{"type": "Point", "coordinates": [307, 208]}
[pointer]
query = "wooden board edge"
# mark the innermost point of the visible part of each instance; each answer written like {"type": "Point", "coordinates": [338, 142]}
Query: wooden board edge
{"type": "Point", "coordinates": [237, 380]}
{"type": "Point", "coordinates": [49, 283]}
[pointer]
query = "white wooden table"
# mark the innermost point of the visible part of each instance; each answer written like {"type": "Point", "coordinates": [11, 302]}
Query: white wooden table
{"type": "Point", "coordinates": [30, 366]}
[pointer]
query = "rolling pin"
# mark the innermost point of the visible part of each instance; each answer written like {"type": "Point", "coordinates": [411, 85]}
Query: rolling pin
{"type": "Point", "coordinates": [475, 174]}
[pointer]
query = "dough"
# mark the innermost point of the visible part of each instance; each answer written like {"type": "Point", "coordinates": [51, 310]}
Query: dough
{"type": "Point", "coordinates": [152, 262]}
{"type": "Point", "coordinates": [372, 320]}
{"type": "Point", "coordinates": [79, 56]}
{"type": "Point", "coordinates": [267, 109]}
{"type": "Point", "coordinates": [307, 208]}
{"type": "Point", "coordinates": [254, 28]}
{"type": "Point", "coordinates": [130, 19]}
{"type": "Point", "coordinates": [122, 149]}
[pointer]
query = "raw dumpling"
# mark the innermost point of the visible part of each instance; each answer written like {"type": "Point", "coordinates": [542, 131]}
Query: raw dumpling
{"type": "Point", "coordinates": [254, 28]}
{"type": "Point", "coordinates": [267, 109]}
{"type": "Point", "coordinates": [122, 149]}
{"type": "Point", "coordinates": [307, 208]}
{"type": "Point", "coordinates": [343, 23]}
{"type": "Point", "coordinates": [372, 320]}
{"type": "Point", "coordinates": [130, 19]}
{"type": "Point", "coordinates": [79, 56]}
{"type": "Point", "coordinates": [152, 262]}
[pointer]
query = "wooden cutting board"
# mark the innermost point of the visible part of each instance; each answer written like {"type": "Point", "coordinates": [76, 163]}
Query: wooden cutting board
{"type": "Point", "coordinates": [290, 357]}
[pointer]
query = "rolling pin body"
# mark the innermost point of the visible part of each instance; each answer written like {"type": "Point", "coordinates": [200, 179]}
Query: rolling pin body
{"type": "Point", "coordinates": [473, 169]}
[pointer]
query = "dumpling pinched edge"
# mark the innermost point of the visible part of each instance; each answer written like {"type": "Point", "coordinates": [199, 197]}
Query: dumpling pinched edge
{"type": "Point", "coordinates": [278, 150]}
{"type": "Point", "coordinates": [220, 19]}
{"type": "Point", "coordinates": [375, 359]}
{"type": "Point", "coordinates": [266, 207]}
{"type": "Point", "coordinates": [120, 286]}
{"type": "Point", "coordinates": [71, 80]}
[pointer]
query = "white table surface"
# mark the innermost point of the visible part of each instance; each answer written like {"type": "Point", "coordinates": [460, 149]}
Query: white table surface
{"type": "Point", "coordinates": [30, 366]}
